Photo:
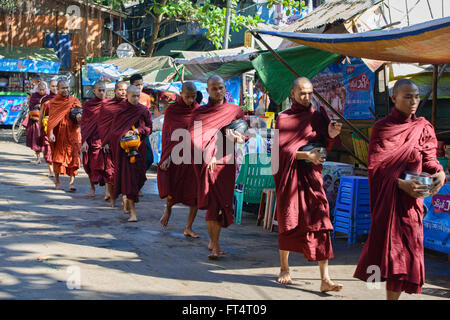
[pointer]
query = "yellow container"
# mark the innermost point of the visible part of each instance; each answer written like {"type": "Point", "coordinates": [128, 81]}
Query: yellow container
{"type": "Point", "coordinates": [360, 146]}
{"type": "Point", "coordinates": [271, 116]}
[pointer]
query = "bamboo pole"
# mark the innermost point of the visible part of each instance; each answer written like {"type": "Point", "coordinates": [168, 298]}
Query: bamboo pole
{"type": "Point", "coordinates": [434, 105]}
{"type": "Point", "coordinates": [317, 94]}
{"type": "Point", "coordinates": [322, 99]}
{"type": "Point", "coordinates": [427, 95]}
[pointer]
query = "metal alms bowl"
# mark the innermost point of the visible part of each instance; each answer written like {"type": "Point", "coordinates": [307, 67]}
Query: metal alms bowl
{"type": "Point", "coordinates": [424, 178]}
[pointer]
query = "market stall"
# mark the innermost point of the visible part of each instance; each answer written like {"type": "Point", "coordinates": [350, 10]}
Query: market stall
{"type": "Point", "coordinates": [18, 67]}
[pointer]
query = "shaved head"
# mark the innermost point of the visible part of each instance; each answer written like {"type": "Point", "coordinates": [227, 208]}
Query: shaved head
{"type": "Point", "coordinates": [99, 84]}
{"type": "Point", "coordinates": [188, 86]}
{"type": "Point", "coordinates": [300, 82]}
{"type": "Point", "coordinates": [100, 90]}
{"type": "Point", "coordinates": [406, 97]}
{"type": "Point", "coordinates": [42, 84]}
{"type": "Point", "coordinates": [400, 83]}
{"type": "Point", "coordinates": [119, 84]}
{"type": "Point", "coordinates": [132, 88]}
{"type": "Point", "coordinates": [133, 95]}
{"type": "Point", "coordinates": [120, 90]}
{"type": "Point", "coordinates": [188, 93]}
{"type": "Point", "coordinates": [302, 90]}
{"type": "Point", "coordinates": [215, 78]}
{"type": "Point", "coordinates": [216, 89]}
{"type": "Point", "coordinates": [63, 88]}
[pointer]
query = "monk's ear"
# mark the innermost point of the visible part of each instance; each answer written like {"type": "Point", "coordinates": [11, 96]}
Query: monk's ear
{"type": "Point", "coordinates": [393, 98]}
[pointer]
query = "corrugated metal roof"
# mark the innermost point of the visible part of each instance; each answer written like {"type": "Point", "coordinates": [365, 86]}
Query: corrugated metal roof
{"type": "Point", "coordinates": [329, 12]}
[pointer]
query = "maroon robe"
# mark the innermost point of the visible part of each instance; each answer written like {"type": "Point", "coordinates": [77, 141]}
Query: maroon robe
{"type": "Point", "coordinates": [395, 243]}
{"type": "Point", "coordinates": [302, 209]}
{"type": "Point", "coordinates": [45, 102]}
{"type": "Point", "coordinates": [129, 178]}
{"type": "Point", "coordinates": [178, 182]}
{"type": "Point", "coordinates": [93, 162]}
{"type": "Point", "coordinates": [109, 108]}
{"type": "Point", "coordinates": [33, 132]}
{"type": "Point", "coordinates": [214, 190]}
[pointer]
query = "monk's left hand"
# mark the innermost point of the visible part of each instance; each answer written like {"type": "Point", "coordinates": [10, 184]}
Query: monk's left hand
{"type": "Point", "coordinates": [79, 118]}
{"type": "Point", "coordinates": [334, 129]}
{"type": "Point", "coordinates": [235, 136]}
{"type": "Point", "coordinates": [438, 182]}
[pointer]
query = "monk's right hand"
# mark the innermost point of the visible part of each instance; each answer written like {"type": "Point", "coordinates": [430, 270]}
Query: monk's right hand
{"type": "Point", "coordinates": [212, 164]}
{"type": "Point", "coordinates": [165, 164]}
{"type": "Point", "coordinates": [316, 157]}
{"type": "Point", "coordinates": [85, 147]}
{"type": "Point", "coordinates": [413, 188]}
{"type": "Point", "coordinates": [52, 137]}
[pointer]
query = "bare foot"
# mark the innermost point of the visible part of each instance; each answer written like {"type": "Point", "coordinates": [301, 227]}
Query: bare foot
{"type": "Point", "coordinates": [220, 251]}
{"type": "Point", "coordinates": [58, 186]}
{"type": "Point", "coordinates": [165, 218]}
{"type": "Point", "coordinates": [112, 203]}
{"type": "Point", "coordinates": [35, 162]}
{"type": "Point", "coordinates": [328, 285]}
{"type": "Point", "coordinates": [214, 255]}
{"type": "Point", "coordinates": [107, 197]}
{"type": "Point", "coordinates": [133, 219]}
{"type": "Point", "coordinates": [140, 194]}
{"type": "Point", "coordinates": [190, 233]}
{"type": "Point", "coordinates": [284, 277]}
{"type": "Point", "coordinates": [91, 193]}
{"type": "Point", "coordinates": [125, 206]}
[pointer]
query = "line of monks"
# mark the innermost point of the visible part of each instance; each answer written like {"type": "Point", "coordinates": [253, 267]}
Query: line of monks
{"type": "Point", "coordinates": [106, 134]}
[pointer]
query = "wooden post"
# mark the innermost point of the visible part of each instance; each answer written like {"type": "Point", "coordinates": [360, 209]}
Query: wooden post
{"type": "Point", "coordinates": [434, 105]}
{"type": "Point", "coordinates": [86, 30]}
{"type": "Point", "coordinates": [386, 90]}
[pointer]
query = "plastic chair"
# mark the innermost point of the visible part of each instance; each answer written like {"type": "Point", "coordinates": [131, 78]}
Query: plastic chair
{"type": "Point", "coordinates": [254, 176]}
{"type": "Point", "coordinates": [352, 210]}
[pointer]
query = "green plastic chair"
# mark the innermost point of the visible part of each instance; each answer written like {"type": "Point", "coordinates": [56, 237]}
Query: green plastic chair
{"type": "Point", "coordinates": [255, 175]}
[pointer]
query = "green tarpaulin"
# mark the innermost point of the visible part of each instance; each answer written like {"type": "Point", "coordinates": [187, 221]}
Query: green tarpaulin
{"type": "Point", "coordinates": [277, 79]}
{"type": "Point", "coordinates": [142, 65]}
{"type": "Point", "coordinates": [28, 53]}
{"type": "Point", "coordinates": [275, 76]}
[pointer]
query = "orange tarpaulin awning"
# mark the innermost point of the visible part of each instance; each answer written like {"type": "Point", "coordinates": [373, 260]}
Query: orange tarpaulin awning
{"type": "Point", "coordinates": [427, 42]}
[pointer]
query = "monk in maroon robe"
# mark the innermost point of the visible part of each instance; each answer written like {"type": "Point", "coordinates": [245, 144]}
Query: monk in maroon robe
{"type": "Point", "coordinates": [64, 135]}
{"type": "Point", "coordinates": [107, 112]}
{"type": "Point", "coordinates": [93, 162]}
{"type": "Point", "coordinates": [176, 180]}
{"type": "Point", "coordinates": [43, 118]}
{"type": "Point", "coordinates": [302, 208]}
{"type": "Point", "coordinates": [33, 134]}
{"type": "Point", "coordinates": [131, 119]}
{"type": "Point", "coordinates": [399, 142]}
{"type": "Point", "coordinates": [213, 158]}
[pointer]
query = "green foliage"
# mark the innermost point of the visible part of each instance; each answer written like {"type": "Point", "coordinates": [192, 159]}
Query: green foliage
{"type": "Point", "coordinates": [8, 5]}
{"type": "Point", "coordinates": [208, 16]}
